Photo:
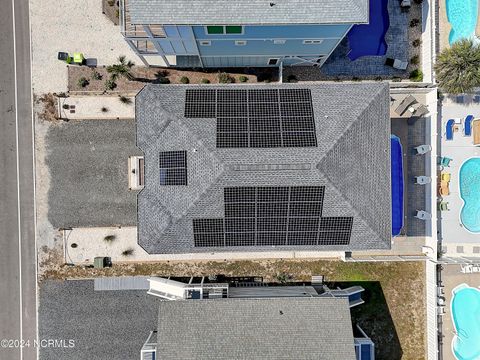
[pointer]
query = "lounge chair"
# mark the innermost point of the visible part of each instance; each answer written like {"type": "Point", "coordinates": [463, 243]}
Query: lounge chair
{"type": "Point", "coordinates": [423, 215]}
{"type": "Point", "coordinates": [443, 206]}
{"type": "Point", "coordinates": [444, 176]}
{"type": "Point", "coordinates": [405, 104]}
{"type": "Point", "coordinates": [445, 161]}
{"type": "Point", "coordinates": [467, 126]}
{"type": "Point", "coordinates": [444, 189]}
{"type": "Point", "coordinates": [421, 111]}
{"type": "Point", "coordinates": [423, 180]}
{"type": "Point", "coordinates": [449, 129]}
{"type": "Point", "coordinates": [423, 149]}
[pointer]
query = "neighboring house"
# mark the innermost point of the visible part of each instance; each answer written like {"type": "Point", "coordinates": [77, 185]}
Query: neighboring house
{"type": "Point", "coordinates": [247, 33]}
{"type": "Point", "coordinates": [279, 322]}
{"type": "Point", "coordinates": [256, 168]}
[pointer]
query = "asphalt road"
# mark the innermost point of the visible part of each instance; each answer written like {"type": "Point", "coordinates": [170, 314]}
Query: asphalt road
{"type": "Point", "coordinates": [17, 230]}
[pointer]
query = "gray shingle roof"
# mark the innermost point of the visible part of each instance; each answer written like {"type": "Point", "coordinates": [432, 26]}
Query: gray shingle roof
{"type": "Point", "coordinates": [352, 161]}
{"type": "Point", "coordinates": [247, 12]}
{"type": "Point", "coordinates": [267, 329]}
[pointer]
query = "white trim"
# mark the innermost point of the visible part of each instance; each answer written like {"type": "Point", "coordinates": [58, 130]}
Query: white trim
{"type": "Point", "coordinates": [279, 41]}
{"type": "Point", "coordinates": [205, 43]}
{"type": "Point", "coordinates": [312, 42]}
{"type": "Point", "coordinates": [240, 42]}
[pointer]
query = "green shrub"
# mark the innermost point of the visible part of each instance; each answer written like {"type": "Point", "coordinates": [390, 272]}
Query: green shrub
{"type": "Point", "coordinates": [109, 238]}
{"type": "Point", "coordinates": [125, 100]}
{"type": "Point", "coordinates": [396, 79]}
{"type": "Point", "coordinates": [104, 109]}
{"type": "Point", "coordinates": [128, 252]}
{"type": "Point", "coordinates": [162, 80]}
{"type": "Point", "coordinates": [418, 1]}
{"type": "Point", "coordinates": [66, 106]}
{"type": "Point", "coordinates": [83, 82]}
{"type": "Point", "coordinates": [416, 75]}
{"type": "Point", "coordinates": [96, 75]}
{"type": "Point", "coordinates": [205, 81]}
{"type": "Point", "coordinates": [111, 2]}
{"type": "Point", "coordinates": [416, 42]}
{"type": "Point", "coordinates": [291, 78]}
{"type": "Point", "coordinates": [415, 60]}
{"type": "Point", "coordinates": [356, 79]}
{"type": "Point", "coordinates": [378, 78]}
{"type": "Point", "coordinates": [184, 80]}
{"type": "Point", "coordinates": [414, 22]}
{"type": "Point", "coordinates": [110, 84]}
{"type": "Point", "coordinates": [74, 245]}
{"type": "Point", "coordinates": [224, 78]}
{"type": "Point", "coordinates": [242, 78]}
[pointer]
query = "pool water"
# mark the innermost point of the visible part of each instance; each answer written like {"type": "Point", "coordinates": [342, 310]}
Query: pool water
{"type": "Point", "coordinates": [396, 155]}
{"type": "Point", "coordinates": [462, 16]}
{"type": "Point", "coordinates": [465, 310]}
{"type": "Point", "coordinates": [470, 193]}
{"type": "Point", "coordinates": [369, 39]}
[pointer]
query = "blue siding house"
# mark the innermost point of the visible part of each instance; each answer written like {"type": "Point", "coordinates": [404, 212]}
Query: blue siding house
{"type": "Point", "coordinates": [243, 33]}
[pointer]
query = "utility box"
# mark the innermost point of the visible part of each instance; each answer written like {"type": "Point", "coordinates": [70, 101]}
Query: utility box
{"type": "Point", "coordinates": [101, 262]}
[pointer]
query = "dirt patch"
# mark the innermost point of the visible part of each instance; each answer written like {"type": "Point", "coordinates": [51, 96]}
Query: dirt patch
{"type": "Point", "coordinates": [96, 78]}
{"type": "Point", "coordinates": [47, 107]}
{"type": "Point", "coordinates": [111, 10]}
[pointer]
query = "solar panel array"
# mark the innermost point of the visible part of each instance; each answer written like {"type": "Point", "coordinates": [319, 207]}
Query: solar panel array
{"type": "Point", "coordinates": [262, 216]}
{"type": "Point", "coordinates": [173, 168]}
{"type": "Point", "coordinates": [256, 118]}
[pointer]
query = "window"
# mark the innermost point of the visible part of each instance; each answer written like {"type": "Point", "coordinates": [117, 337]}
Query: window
{"type": "Point", "coordinates": [279, 41]}
{"type": "Point", "coordinates": [273, 61]}
{"type": "Point", "coordinates": [205, 43]}
{"type": "Point", "coordinates": [213, 30]}
{"type": "Point", "coordinates": [233, 29]}
{"type": "Point", "coordinates": [240, 43]}
{"type": "Point", "coordinates": [224, 30]}
{"type": "Point", "coordinates": [312, 42]}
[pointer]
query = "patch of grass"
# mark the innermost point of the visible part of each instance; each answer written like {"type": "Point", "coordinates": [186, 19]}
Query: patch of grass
{"type": "Point", "coordinates": [242, 79]}
{"type": "Point", "coordinates": [224, 78]}
{"type": "Point", "coordinates": [416, 75]}
{"type": "Point", "coordinates": [110, 84]}
{"type": "Point", "coordinates": [83, 82]}
{"type": "Point", "coordinates": [96, 75]}
{"type": "Point", "coordinates": [125, 100]}
{"type": "Point", "coordinates": [205, 81]}
{"type": "Point", "coordinates": [185, 80]}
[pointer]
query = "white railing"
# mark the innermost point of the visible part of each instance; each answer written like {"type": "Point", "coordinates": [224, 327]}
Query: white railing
{"type": "Point", "coordinates": [432, 314]}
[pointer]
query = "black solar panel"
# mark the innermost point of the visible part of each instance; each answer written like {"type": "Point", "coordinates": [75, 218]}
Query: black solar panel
{"type": "Point", "coordinates": [173, 168]}
{"type": "Point", "coordinates": [260, 118]}
{"type": "Point", "coordinates": [271, 216]}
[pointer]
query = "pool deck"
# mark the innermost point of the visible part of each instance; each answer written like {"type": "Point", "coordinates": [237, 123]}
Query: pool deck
{"type": "Point", "coordinates": [456, 241]}
{"type": "Point", "coordinates": [452, 277]}
{"type": "Point", "coordinates": [444, 26]}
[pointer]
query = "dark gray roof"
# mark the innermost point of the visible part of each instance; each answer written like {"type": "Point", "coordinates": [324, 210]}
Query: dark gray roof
{"type": "Point", "coordinates": [247, 12]}
{"type": "Point", "coordinates": [287, 328]}
{"type": "Point", "coordinates": [352, 161]}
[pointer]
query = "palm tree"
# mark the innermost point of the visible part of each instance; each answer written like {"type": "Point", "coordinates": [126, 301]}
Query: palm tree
{"type": "Point", "coordinates": [121, 69]}
{"type": "Point", "coordinates": [458, 67]}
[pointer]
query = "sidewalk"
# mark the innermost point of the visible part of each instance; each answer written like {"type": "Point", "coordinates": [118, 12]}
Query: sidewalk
{"type": "Point", "coordinates": [90, 107]}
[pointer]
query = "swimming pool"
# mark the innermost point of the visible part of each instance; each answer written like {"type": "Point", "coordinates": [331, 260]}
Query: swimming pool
{"type": "Point", "coordinates": [465, 311]}
{"type": "Point", "coordinates": [369, 39]}
{"type": "Point", "coordinates": [470, 194]}
{"type": "Point", "coordinates": [462, 16]}
{"type": "Point", "coordinates": [396, 159]}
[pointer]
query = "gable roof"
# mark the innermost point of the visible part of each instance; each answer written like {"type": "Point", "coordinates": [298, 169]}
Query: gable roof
{"type": "Point", "coordinates": [351, 160]}
{"type": "Point", "coordinates": [275, 328]}
{"type": "Point", "coordinates": [247, 12]}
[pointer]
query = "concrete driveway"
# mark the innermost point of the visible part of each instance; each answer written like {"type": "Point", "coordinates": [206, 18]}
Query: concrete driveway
{"type": "Point", "coordinates": [87, 160]}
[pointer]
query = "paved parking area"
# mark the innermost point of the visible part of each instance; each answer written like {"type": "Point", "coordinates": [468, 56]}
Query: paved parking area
{"type": "Point", "coordinates": [89, 182]}
{"type": "Point", "coordinates": [103, 324]}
